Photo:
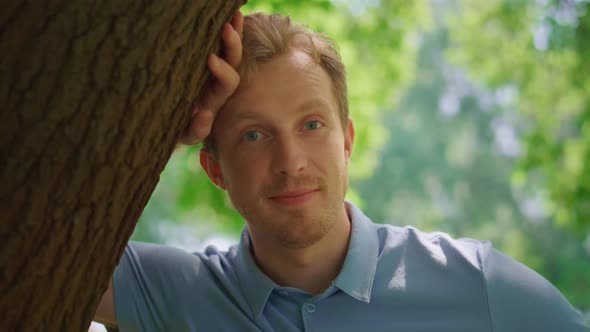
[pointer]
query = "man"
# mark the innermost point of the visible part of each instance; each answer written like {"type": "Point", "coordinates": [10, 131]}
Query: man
{"type": "Point", "coordinates": [307, 260]}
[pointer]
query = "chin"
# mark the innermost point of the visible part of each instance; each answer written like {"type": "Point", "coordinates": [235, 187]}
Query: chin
{"type": "Point", "coordinates": [305, 230]}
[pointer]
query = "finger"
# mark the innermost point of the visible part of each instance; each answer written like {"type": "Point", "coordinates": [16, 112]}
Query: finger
{"type": "Point", "coordinates": [232, 46]}
{"type": "Point", "coordinates": [199, 128]}
{"type": "Point", "coordinates": [238, 23]}
{"type": "Point", "coordinates": [223, 86]}
{"type": "Point", "coordinates": [196, 107]}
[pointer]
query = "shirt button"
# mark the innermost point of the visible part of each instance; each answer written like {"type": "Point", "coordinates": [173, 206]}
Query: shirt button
{"type": "Point", "coordinates": [310, 307]}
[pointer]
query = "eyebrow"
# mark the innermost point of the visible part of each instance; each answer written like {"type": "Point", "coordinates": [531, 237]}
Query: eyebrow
{"type": "Point", "coordinates": [316, 102]}
{"type": "Point", "coordinates": [311, 103]}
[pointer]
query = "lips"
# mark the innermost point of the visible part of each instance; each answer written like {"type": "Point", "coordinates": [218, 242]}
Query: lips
{"type": "Point", "coordinates": [293, 193]}
{"type": "Point", "coordinates": [294, 197]}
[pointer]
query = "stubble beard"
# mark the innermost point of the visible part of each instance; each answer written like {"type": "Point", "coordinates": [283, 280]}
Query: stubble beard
{"type": "Point", "coordinates": [301, 228]}
{"type": "Point", "coordinates": [306, 227]}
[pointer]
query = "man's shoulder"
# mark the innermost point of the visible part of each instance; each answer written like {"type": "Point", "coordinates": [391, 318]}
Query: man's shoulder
{"type": "Point", "coordinates": [436, 246]}
{"type": "Point", "coordinates": [177, 261]}
{"type": "Point", "coordinates": [435, 263]}
{"type": "Point", "coordinates": [159, 285]}
{"type": "Point", "coordinates": [157, 250]}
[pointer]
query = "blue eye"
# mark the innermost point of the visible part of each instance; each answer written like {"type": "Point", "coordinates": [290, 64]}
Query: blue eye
{"type": "Point", "coordinates": [312, 125]}
{"type": "Point", "coordinates": [252, 135]}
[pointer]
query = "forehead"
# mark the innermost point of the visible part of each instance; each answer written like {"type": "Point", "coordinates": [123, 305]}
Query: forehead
{"type": "Point", "coordinates": [284, 80]}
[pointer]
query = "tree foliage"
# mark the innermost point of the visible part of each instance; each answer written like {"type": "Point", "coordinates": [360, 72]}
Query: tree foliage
{"type": "Point", "coordinates": [543, 49]}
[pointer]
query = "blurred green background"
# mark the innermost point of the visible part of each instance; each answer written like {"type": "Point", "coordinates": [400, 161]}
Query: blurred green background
{"type": "Point", "coordinates": [472, 118]}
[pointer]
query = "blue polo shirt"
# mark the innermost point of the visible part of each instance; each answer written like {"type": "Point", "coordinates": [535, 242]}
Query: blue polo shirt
{"type": "Point", "coordinates": [393, 279]}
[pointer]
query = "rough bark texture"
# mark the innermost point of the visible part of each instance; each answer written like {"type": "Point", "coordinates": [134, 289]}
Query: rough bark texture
{"type": "Point", "coordinates": [94, 95]}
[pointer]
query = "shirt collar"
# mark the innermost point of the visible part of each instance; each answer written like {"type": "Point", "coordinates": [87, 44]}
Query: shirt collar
{"type": "Point", "coordinates": [358, 271]}
{"type": "Point", "coordinates": [355, 277]}
{"type": "Point", "coordinates": [254, 283]}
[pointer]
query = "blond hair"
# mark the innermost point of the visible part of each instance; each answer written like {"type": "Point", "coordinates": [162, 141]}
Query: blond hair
{"type": "Point", "coordinates": [267, 36]}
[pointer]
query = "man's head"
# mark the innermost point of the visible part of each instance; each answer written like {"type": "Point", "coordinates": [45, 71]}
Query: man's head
{"type": "Point", "coordinates": [282, 142]}
{"type": "Point", "coordinates": [269, 36]}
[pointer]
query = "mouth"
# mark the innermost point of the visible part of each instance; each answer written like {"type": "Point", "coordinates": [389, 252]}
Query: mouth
{"type": "Point", "coordinates": [294, 198]}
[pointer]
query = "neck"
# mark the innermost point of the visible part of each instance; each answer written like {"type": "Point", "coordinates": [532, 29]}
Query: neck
{"type": "Point", "coordinates": [311, 269]}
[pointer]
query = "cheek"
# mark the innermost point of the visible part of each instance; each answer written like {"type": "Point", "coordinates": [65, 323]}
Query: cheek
{"type": "Point", "coordinates": [332, 151]}
{"type": "Point", "coordinates": [242, 172]}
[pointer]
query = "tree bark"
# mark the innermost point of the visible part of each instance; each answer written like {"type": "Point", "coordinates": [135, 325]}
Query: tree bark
{"type": "Point", "coordinates": [94, 96]}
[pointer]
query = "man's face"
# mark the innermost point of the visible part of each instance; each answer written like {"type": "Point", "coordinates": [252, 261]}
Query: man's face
{"type": "Point", "coordinates": [282, 152]}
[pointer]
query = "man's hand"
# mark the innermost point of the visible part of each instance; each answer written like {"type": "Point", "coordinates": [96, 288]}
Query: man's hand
{"type": "Point", "coordinates": [225, 82]}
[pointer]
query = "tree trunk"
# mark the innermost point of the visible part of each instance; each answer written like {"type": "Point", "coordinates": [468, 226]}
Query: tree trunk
{"type": "Point", "coordinates": [94, 96]}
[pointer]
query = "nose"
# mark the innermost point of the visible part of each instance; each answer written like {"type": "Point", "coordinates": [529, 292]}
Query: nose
{"type": "Point", "coordinates": [289, 156]}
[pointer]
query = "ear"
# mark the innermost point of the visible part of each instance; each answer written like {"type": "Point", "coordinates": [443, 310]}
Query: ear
{"type": "Point", "coordinates": [211, 166]}
{"type": "Point", "coordinates": [348, 140]}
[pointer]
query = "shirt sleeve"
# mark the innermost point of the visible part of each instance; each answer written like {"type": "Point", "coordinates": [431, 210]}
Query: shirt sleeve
{"type": "Point", "coordinates": [520, 299]}
{"type": "Point", "coordinates": [145, 281]}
